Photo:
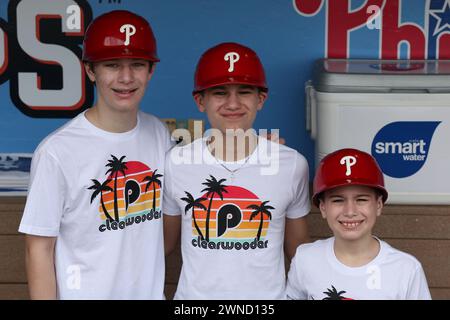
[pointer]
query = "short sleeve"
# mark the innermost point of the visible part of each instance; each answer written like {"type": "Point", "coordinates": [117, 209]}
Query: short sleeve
{"type": "Point", "coordinates": [418, 287]}
{"type": "Point", "coordinates": [294, 290]}
{"type": "Point", "coordinates": [300, 206]}
{"type": "Point", "coordinates": [170, 206]}
{"type": "Point", "coordinates": [168, 142]}
{"type": "Point", "coordinates": [45, 200]}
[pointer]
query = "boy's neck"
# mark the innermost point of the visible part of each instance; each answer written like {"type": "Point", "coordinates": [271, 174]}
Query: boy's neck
{"type": "Point", "coordinates": [112, 121]}
{"type": "Point", "coordinates": [232, 148]}
{"type": "Point", "coordinates": [356, 253]}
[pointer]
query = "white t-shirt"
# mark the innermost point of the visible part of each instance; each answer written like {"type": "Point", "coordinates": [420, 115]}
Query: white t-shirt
{"type": "Point", "coordinates": [98, 257]}
{"type": "Point", "coordinates": [316, 274]}
{"type": "Point", "coordinates": [243, 259]}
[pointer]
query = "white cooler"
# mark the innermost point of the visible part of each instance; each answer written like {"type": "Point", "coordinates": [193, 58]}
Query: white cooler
{"type": "Point", "coordinates": [398, 111]}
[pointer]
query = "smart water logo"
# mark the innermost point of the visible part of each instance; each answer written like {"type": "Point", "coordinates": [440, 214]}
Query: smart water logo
{"type": "Point", "coordinates": [401, 148]}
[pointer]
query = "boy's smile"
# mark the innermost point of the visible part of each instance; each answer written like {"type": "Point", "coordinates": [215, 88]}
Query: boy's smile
{"type": "Point", "coordinates": [124, 93]}
{"type": "Point", "coordinates": [351, 225]}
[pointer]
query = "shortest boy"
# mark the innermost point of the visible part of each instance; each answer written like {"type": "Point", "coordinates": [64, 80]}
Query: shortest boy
{"type": "Point", "coordinates": [354, 264]}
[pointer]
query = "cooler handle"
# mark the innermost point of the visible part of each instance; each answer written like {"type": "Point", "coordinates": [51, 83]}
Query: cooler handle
{"type": "Point", "coordinates": [310, 109]}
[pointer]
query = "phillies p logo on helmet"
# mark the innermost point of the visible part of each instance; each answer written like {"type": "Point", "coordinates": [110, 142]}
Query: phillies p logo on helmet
{"type": "Point", "coordinates": [129, 30]}
{"type": "Point", "coordinates": [232, 57]}
{"type": "Point", "coordinates": [349, 162]}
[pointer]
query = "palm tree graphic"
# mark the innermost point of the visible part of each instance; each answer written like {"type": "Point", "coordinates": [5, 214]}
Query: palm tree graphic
{"type": "Point", "coordinates": [333, 294]}
{"type": "Point", "coordinates": [153, 180]}
{"type": "Point", "coordinates": [261, 210]}
{"type": "Point", "coordinates": [99, 188]}
{"type": "Point", "coordinates": [194, 203]}
{"type": "Point", "coordinates": [213, 187]}
{"type": "Point", "coordinates": [116, 166]}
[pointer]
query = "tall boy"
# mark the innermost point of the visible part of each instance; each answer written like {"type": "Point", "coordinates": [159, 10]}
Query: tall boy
{"type": "Point", "coordinates": [93, 217]}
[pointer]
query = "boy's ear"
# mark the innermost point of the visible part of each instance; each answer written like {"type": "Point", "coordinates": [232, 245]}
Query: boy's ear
{"type": "Point", "coordinates": [88, 67]}
{"type": "Point", "coordinates": [151, 71]}
{"type": "Point", "coordinates": [322, 208]}
{"type": "Point", "coordinates": [262, 95]}
{"type": "Point", "coordinates": [380, 205]}
{"type": "Point", "coordinates": [199, 99]}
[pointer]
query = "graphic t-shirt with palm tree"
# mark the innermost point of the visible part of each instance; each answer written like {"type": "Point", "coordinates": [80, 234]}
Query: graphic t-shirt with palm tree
{"type": "Point", "coordinates": [232, 225]}
{"type": "Point", "coordinates": [100, 194]}
{"type": "Point", "coordinates": [130, 194]}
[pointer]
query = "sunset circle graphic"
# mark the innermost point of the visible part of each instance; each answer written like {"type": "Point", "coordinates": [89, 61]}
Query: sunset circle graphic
{"type": "Point", "coordinates": [136, 189]}
{"type": "Point", "coordinates": [230, 216]}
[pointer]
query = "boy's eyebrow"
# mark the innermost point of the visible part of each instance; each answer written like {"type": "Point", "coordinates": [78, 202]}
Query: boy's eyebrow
{"type": "Point", "coordinates": [335, 196]}
{"type": "Point", "coordinates": [217, 88]}
{"type": "Point", "coordinates": [241, 86]}
{"type": "Point", "coordinates": [357, 195]}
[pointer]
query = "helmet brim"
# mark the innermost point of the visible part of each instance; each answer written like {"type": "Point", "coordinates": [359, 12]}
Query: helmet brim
{"type": "Point", "coordinates": [112, 54]}
{"type": "Point", "coordinates": [262, 86]}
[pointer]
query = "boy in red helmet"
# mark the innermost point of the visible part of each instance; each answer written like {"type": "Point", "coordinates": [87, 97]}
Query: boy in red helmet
{"type": "Point", "coordinates": [239, 199]}
{"type": "Point", "coordinates": [354, 264]}
{"type": "Point", "coordinates": [93, 212]}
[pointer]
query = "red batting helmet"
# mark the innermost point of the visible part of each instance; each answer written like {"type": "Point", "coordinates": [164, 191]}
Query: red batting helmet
{"type": "Point", "coordinates": [229, 63]}
{"type": "Point", "coordinates": [348, 167]}
{"type": "Point", "coordinates": [119, 34]}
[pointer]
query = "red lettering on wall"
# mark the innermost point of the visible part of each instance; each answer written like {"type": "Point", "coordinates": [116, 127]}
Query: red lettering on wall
{"type": "Point", "coordinates": [444, 46]}
{"type": "Point", "coordinates": [394, 33]}
{"type": "Point", "coordinates": [308, 7]}
{"type": "Point", "coordinates": [341, 21]}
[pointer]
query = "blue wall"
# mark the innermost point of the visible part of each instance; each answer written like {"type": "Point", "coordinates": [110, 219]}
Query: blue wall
{"type": "Point", "coordinates": [287, 42]}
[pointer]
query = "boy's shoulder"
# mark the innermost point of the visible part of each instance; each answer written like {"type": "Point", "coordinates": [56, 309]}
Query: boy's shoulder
{"type": "Point", "coordinates": [151, 120]}
{"type": "Point", "coordinates": [148, 116]}
{"type": "Point", "coordinates": [313, 249]}
{"type": "Point", "coordinates": [269, 144]}
{"type": "Point", "coordinates": [273, 150]}
{"type": "Point", "coordinates": [395, 255]}
{"type": "Point", "coordinates": [60, 135]}
{"type": "Point", "coordinates": [191, 153]}
{"type": "Point", "coordinates": [188, 148]}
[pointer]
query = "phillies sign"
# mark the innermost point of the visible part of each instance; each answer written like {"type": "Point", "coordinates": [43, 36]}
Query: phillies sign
{"type": "Point", "coordinates": [430, 41]}
{"type": "Point", "coordinates": [40, 54]}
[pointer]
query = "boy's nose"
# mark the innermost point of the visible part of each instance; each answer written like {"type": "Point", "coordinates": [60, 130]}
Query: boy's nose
{"type": "Point", "coordinates": [125, 74]}
{"type": "Point", "coordinates": [350, 209]}
{"type": "Point", "coordinates": [233, 101]}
